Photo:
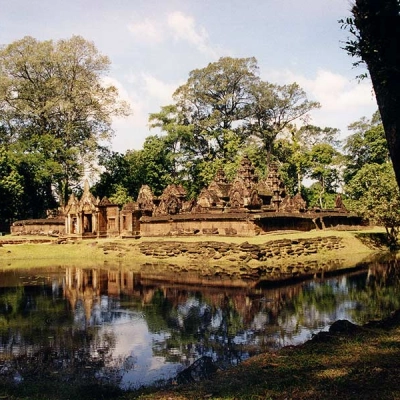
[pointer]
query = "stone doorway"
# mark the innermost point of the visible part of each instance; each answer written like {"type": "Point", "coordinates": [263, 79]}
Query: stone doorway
{"type": "Point", "coordinates": [87, 223]}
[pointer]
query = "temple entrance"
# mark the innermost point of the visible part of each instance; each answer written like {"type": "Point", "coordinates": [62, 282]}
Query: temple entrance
{"type": "Point", "coordinates": [102, 221]}
{"type": "Point", "coordinates": [87, 223]}
{"type": "Point", "coordinates": [73, 224]}
{"type": "Point", "coordinates": [136, 222]}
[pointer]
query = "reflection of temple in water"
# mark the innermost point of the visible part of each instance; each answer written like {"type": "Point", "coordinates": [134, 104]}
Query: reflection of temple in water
{"type": "Point", "coordinates": [88, 285]}
{"type": "Point", "coordinates": [259, 317]}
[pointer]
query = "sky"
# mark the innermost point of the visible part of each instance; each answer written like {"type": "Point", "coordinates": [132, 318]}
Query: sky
{"type": "Point", "coordinates": [154, 44]}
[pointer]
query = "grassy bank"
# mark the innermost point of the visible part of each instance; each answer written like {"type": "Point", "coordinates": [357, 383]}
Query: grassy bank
{"type": "Point", "coordinates": [125, 252]}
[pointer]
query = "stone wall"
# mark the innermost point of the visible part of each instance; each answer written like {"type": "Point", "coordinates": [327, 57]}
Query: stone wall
{"type": "Point", "coordinates": [276, 249]}
{"type": "Point", "coordinates": [198, 224]}
{"type": "Point", "coordinates": [243, 224]}
{"type": "Point", "coordinates": [50, 226]}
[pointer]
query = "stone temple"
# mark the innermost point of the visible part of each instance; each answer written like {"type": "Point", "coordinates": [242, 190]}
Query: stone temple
{"type": "Point", "coordinates": [246, 206]}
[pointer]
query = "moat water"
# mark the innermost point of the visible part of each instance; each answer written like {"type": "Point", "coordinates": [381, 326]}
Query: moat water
{"type": "Point", "coordinates": [127, 329]}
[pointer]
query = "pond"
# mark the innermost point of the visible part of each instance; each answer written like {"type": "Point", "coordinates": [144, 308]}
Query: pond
{"type": "Point", "coordinates": [136, 329]}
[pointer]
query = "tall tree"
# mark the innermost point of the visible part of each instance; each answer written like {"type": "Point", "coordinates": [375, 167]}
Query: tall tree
{"type": "Point", "coordinates": [293, 151]}
{"type": "Point", "coordinates": [375, 26]}
{"type": "Point", "coordinates": [11, 188]}
{"type": "Point", "coordinates": [324, 162]}
{"type": "Point", "coordinates": [124, 174]}
{"type": "Point", "coordinates": [215, 99]}
{"type": "Point", "coordinates": [220, 111]}
{"type": "Point", "coordinates": [55, 105]}
{"type": "Point", "coordinates": [274, 108]}
{"type": "Point", "coordinates": [367, 145]}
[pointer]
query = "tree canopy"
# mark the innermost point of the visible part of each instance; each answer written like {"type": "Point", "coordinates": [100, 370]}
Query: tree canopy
{"type": "Point", "coordinates": [55, 108]}
{"type": "Point", "coordinates": [223, 109]}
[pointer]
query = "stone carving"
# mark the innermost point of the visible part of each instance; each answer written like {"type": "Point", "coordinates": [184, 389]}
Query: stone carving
{"type": "Point", "coordinates": [105, 201]}
{"type": "Point", "coordinates": [339, 204]}
{"type": "Point", "coordinates": [215, 197]}
{"type": "Point", "coordinates": [207, 199]}
{"type": "Point", "coordinates": [243, 192]}
{"type": "Point", "coordinates": [272, 190]}
{"type": "Point", "coordinates": [131, 206]}
{"type": "Point", "coordinates": [220, 187]}
{"type": "Point", "coordinates": [171, 201]}
{"type": "Point", "coordinates": [146, 200]}
{"type": "Point", "coordinates": [72, 205]}
{"type": "Point", "coordinates": [81, 215]}
{"type": "Point", "coordinates": [188, 206]}
{"type": "Point", "coordinates": [293, 204]}
{"type": "Point", "coordinates": [88, 202]}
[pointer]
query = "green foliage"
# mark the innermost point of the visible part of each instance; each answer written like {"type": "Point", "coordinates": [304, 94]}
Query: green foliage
{"type": "Point", "coordinates": [296, 150]}
{"type": "Point", "coordinates": [274, 108]}
{"type": "Point", "coordinates": [10, 179]}
{"type": "Point", "coordinates": [153, 165]}
{"type": "Point", "coordinates": [120, 195]}
{"type": "Point", "coordinates": [222, 112]}
{"type": "Point", "coordinates": [376, 195]}
{"type": "Point", "coordinates": [370, 181]}
{"type": "Point", "coordinates": [367, 145]}
{"type": "Point", "coordinates": [316, 196]}
{"type": "Point", "coordinates": [55, 108]}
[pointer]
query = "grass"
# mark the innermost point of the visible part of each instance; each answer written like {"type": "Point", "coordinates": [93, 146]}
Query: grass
{"type": "Point", "coordinates": [125, 252]}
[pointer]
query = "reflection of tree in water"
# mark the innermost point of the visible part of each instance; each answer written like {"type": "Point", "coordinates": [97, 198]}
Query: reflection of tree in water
{"type": "Point", "coordinates": [196, 327]}
{"type": "Point", "coordinates": [362, 296]}
{"type": "Point", "coordinates": [380, 292]}
{"type": "Point", "coordinates": [39, 338]}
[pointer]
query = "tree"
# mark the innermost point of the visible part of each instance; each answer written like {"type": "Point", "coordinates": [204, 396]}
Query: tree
{"type": "Point", "coordinates": [120, 195]}
{"type": "Point", "coordinates": [274, 108]}
{"type": "Point", "coordinates": [376, 196]}
{"type": "Point", "coordinates": [124, 174]}
{"type": "Point", "coordinates": [323, 162]}
{"type": "Point", "coordinates": [115, 170]}
{"type": "Point", "coordinates": [222, 111]}
{"type": "Point", "coordinates": [55, 106]}
{"type": "Point", "coordinates": [375, 26]}
{"type": "Point", "coordinates": [367, 145]}
{"type": "Point", "coordinates": [293, 151]}
{"type": "Point", "coordinates": [11, 188]}
{"type": "Point", "coordinates": [214, 99]}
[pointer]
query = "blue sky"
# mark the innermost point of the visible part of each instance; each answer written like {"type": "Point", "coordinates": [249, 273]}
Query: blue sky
{"type": "Point", "coordinates": [153, 45]}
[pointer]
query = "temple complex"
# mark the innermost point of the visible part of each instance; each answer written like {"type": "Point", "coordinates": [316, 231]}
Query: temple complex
{"type": "Point", "coordinates": [246, 206]}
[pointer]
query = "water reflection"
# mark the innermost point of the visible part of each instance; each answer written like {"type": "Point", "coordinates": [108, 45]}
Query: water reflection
{"type": "Point", "coordinates": [136, 329]}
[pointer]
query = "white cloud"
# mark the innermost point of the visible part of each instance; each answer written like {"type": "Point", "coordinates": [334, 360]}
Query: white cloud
{"type": "Point", "coordinates": [176, 25]}
{"type": "Point", "coordinates": [184, 28]}
{"type": "Point", "coordinates": [335, 92]}
{"type": "Point", "coordinates": [131, 130]}
{"type": "Point", "coordinates": [343, 101]}
{"type": "Point", "coordinates": [145, 94]}
{"type": "Point", "coordinates": [158, 89]}
{"type": "Point", "coordinates": [147, 31]}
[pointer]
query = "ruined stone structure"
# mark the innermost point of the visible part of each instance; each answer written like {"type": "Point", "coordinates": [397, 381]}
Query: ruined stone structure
{"type": "Point", "coordinates": [91, 217]}
{"type": "Point", "coordinates": [247, 206]}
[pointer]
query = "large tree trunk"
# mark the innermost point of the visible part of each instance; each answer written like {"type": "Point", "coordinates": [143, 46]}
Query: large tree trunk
{"type": "Point", "coordinates": [378, 24]}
